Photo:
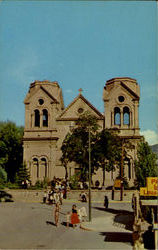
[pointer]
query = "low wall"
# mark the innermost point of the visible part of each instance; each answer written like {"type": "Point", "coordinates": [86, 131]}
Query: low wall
{"type": "Point", "coordinates": [96, 195]}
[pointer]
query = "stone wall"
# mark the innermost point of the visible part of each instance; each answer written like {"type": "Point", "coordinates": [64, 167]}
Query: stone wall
{"type": "Point", "coordinates": [96, 195]}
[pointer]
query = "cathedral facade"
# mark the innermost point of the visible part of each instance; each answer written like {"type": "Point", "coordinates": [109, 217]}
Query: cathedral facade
{"type": "Point", "coordinates": [47, 122]}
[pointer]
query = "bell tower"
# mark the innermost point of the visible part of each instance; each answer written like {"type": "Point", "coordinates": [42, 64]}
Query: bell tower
{"type": "Point", "coordinates": [43, 103]}
{"type": "Point", "coordinates": [121, 103]}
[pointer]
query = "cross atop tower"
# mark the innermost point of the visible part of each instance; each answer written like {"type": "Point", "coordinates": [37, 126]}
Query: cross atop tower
{"type": "Point", "coordinates": [80, 91]}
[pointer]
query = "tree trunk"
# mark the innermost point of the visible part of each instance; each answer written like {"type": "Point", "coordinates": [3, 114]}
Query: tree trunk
{"type": "Point", "coordinates": [103, 176]}
{"type": "Point", "coordinates": [66, 173]}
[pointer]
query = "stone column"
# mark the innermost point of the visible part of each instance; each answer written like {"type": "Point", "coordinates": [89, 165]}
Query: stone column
{"type": "Point", "coordinates": [49, 120]}
{"type": "Point", "coordinates": [136, 118]}
{"type": "Point", "coordinates": [32, 120]}
{"type": "Point", "coordinates": [130, 120]}
{"type": "Point", "coordinates": [41, 119]}
{"type": "Point", "coordinates": [112, 119]}
{"type": "Point", "coordinates": [121, 117]}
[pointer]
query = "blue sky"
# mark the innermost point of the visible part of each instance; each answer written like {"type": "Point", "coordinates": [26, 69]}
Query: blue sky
{"type": "Point", "coordinates": [80, 45]}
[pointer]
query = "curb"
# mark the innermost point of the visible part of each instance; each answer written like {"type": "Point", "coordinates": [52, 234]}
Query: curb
{"type": "Point", "coordinates": [72, 201]}
{"type": "Point", "coordinates": [86, 229]}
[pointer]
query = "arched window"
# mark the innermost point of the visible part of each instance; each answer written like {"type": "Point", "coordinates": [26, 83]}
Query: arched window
{"type": "Point", "coordinates": [126, 116]}
{"type": "Point", "coordinates": [45, 118]}
{"type": "Point", "coordinates": [36, 165]}
{"type": "Point", "coordinates": [117, 116]}
{"type": "Point", "coordinates": [44, 165]}
{"type": "Point", "coordinates": [37, 118]}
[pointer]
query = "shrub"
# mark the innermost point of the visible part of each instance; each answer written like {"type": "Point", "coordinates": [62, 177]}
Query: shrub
{"type": "Point", "coordinates": [3, 175]}
{"type": "Point", "coordinates": [147, 213]}
{"type": "Point", "coordinates": [74, 181]}
{"type": "Point", "coordinates": [41, 184]}
{"type": "Point", "coordinates": [12, 185]}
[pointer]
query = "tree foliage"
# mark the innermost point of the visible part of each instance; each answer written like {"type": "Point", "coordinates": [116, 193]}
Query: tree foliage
{"type": "Point", "coordinates": [11, 151]}
{"type": "Point", "coordinates": [22, 174]}
{"type": "Point", "coordinates": [107, 151]}
{"type": "Point", "coordinates": [75, 147]}
{"type": "Point", "coordinates": [145, 165]}
{"type": "Point", "coordinates": [3, 176]}
{"type": "Point", "coordinates": [105, 147]}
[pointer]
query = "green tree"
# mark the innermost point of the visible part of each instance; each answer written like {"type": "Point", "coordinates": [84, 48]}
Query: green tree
{"type": "Point", "coordinates": [75, 146]}
{"type": "Point", "coordinates": [107, 151]}
{"type": "Point", "coordinates": [11, 151]}
{"type": "Point", "coordinates": [22, 174]}
{"type": "Point", "coordinates": [3, 176]}
{"type": "Point", "coordinates": [145, 165]}
{"type": "Point", "coordinates": [105, 147]}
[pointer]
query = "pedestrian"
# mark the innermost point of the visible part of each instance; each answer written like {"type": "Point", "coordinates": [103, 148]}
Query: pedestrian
{"type": "Point", "coordinates": [74, 216]}
{"type": "Point", "coordinates": [45, 197]}
{"type": "Point", "coordinates": [82, 214]}
{"type": "Point", "coordinates": [56, 213]}
{"type": "Point", "coordinates": [68, 219]}
{"type": "Point", "coordinates": [113, 192]}
{"type": "Point", "coordinates": [56, 196]}
{"type": "Point", "coordinates": [64, 193]}
{"type": "Point", "coordinates": [61, 197]}
{"type": "Point", "coordinates": [50, 197]}
{"type": "Point", "coordinates": [106, 202]}
{"type": "Point", "coordinates": [83, 196]}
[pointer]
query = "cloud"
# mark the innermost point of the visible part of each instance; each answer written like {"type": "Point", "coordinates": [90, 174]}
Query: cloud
{"type": "Point", "coordinates": [150, 136]}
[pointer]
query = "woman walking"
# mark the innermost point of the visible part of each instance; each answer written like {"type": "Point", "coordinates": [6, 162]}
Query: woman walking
{"type": "Point", "coordinates": [56, 213]}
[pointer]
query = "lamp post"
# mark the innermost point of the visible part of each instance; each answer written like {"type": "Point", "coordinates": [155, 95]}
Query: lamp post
{"type": "Point", "coordinates": [89, 146]}
{"type": "Point", "coordinates": [122, 156]}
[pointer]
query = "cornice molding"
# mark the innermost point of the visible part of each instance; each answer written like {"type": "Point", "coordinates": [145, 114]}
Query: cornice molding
{"type": "Point", "coordinates": [40, 138]}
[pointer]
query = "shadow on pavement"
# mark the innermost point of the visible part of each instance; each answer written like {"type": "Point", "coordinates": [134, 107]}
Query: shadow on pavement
{"type": "Point", "coordinates": [65, 224]}
{"type": "Point", "coordinates": [125, 219]}
{"type": "Point", "coordinates": [51, 223]}
{"type": "Point", "coordinates": [113, 211]}
{"type": "Point", "coordinates": [117, 236]}
{"type": "Point", "coordinates": [122, 217]}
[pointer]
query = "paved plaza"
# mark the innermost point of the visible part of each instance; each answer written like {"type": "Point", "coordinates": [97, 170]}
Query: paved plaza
{"type": "Point", "coordinates": [30, 225]}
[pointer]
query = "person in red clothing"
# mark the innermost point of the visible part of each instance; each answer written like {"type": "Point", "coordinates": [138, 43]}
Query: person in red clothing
{"type": "Point", "coordinates": [74, 216]}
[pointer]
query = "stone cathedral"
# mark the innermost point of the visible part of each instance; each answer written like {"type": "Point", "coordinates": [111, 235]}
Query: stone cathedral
{"type": "Point", "coordinates": [47, 122]}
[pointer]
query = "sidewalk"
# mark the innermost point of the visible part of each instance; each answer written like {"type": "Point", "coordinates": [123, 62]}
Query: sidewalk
{"type": "Point", "coordinates": [111, 222]}
{"type": "Point", "coordinates": [104, 224]}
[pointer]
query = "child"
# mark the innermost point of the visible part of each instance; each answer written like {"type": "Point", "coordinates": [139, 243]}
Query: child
{"type": "Point", "coordinates": [74, 216]}
{"type": "Point", "coordinates": [68, 219]}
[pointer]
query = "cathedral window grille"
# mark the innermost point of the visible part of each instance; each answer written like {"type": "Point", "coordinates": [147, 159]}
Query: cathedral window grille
{"type": "Point", "coordinates": [37, 118]}
{"type": "Point", "coordinates": [126, 116]}
{"type": "Point", "coordinates": [117, 116]}
{"type": "Point", "coordinates": [45, 118]}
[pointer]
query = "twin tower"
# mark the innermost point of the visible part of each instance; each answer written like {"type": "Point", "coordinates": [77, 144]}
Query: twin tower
{"type": "Point", "coordinates": [47, 122]}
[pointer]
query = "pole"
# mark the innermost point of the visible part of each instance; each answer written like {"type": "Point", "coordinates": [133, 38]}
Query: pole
{"type": "Point", "coordinates": [89, 176]}
{"type": "Point", "coordinates": [121, 190]}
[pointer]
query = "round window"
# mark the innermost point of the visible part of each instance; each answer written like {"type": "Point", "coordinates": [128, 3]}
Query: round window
{"type": "Point", "coordinates": [40, 101]}
{"type": "Point", "coordinates": [121, 98]}
{"type": "Point", "coordinates": [80, 110]}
